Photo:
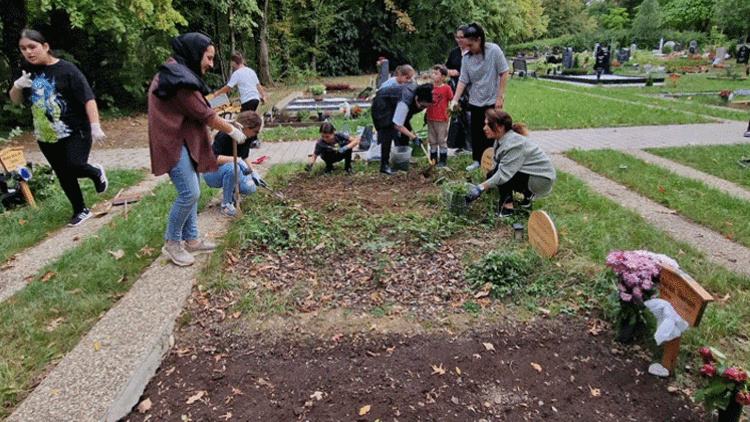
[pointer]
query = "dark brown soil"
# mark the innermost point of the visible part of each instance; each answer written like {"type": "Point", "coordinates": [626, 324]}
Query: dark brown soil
{"type": "Point", "coordinates": [392, 341]}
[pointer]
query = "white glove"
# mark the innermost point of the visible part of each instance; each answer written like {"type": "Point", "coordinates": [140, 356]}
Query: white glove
{"type": "Point", "coordinates": [96, 134]}
{"type": "Point", "coordinates": [237, 135]}
{"type": "Point", "coordinates": [453, 104]}
{"type": "Point", "coordinates": [24, 81]}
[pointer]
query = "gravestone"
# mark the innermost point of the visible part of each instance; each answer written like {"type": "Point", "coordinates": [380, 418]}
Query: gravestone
{"type": "Point", "coordinates": [383, 72]}
{"type": "Point", "coordinates": [678, 46]}
{"type": "Point", "coordinates": [623, 55]}
{"type": "Point", "coordinates": [693, 47]}
{"type": "Point", "coordinates": [536, 51]}
{"type": "Point", "coordinates": [601, 64]}
{"type": "Point", "coordinates": [743, 54]}
{"type": "Point", "coordinates": [597, 46]}
{"type": "Point", "coordinates": [720, 54]}
{"type": "Point", "coordinates": [669, 44]}
{"type": "Point", "coordinates": [567, 58]}
{"type": "Point", "coordinates": [633, 47]}
{"type": "Point", "coordinates": [545, 52]}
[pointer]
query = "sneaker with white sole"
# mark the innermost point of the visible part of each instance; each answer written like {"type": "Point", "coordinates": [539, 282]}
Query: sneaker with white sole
{"type": "Point", "coordinates": [747, 134]}
{"type": "Point", "coordinates": [79, 218]}
{"type": "Point", "coordinates": [228, 209]}
{"type": "Point", "coordinates": [202, 246]}
{"type": "Point", "coordinates": [178, 254]}
{"type": "Point", "coordinates": [506, 212]}
{"type": "Point", "coordinates": [101, 184]}
{"type": "Point", "coordinates": [473, 166]}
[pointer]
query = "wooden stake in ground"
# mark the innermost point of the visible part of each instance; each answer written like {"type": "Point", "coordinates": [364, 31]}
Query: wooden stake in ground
{"type": "Point", "coordinates": [236, 179]}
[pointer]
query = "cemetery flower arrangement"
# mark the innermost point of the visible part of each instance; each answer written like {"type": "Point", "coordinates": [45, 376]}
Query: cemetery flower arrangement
{"type": "Point", "coordinates": [725, 95]}
{"type": "Point", "coordinates": [636, 278]}
{"type": "Point", "coordinates": [721, 383]}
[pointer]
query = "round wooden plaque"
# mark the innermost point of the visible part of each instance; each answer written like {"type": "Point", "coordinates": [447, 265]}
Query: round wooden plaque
{"type": "Point", "coordinates": [542, 234]}
{"type": "Point", "coordinates": [486, 161]}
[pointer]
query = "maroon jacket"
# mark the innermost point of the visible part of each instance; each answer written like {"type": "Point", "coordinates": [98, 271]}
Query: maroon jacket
{"type": "Point", "coordinates": [177, 121]}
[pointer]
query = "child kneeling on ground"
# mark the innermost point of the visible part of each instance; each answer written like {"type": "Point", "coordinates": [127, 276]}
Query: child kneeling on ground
{"type": "Point", "coordinates": [333, 147]}
{"type": "Point", "coordinates": [224, 178]}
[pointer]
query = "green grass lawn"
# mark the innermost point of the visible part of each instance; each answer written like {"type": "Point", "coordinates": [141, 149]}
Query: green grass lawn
{"type": "Point", "coordinates": [47, 318]}
{"type": "Point", "coordinates": [717, 160]}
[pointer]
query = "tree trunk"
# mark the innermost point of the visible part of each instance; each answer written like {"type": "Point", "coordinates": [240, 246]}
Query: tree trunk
{"type": "Point", "coordinates": [13, 20]}
{"type": "Point", "coordinates": [265, 72]}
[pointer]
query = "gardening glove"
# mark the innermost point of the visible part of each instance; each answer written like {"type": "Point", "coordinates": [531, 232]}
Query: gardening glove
{"type": "Point", "coordinates": [243, 167]}
{"type": "Point", "coordinates": [475, 191]}
{"type": "Point", "coordinates": [24, 81]}
{"type": "Point", "coordinates": [342, 150]}
{"type": "Point", "coordinates": [257, 179]}
{"type": "Point", "coordinates": [97, 135]}
{"type": "Point", "coordinates": [417, 141]}
{"type": "Point", "coordinates": [237, 135]}
{"type": "Point", "coordinates": [308, 166]}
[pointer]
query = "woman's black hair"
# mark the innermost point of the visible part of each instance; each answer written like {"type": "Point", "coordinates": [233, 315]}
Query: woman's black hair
{"type": "Point", "coordinates": [33, 35]}
{"type": "Point", "coordinates": [327, 127]}
{"type": "Point", "coordinates": [475, 32]}
{"type": "Point", "coordinates": [462, 29]}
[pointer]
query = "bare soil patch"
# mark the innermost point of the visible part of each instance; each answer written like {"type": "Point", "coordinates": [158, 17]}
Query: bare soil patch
{"type": "Point", "coordinates": [380, 330]}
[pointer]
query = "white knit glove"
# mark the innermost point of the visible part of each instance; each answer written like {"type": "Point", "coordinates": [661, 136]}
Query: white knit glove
{"type": "Point", "coordinates": [237, 135]}
{"type": "Point", "coordinates": [24, 81]}
{"type": "Point", "coordinates": [97, 135]}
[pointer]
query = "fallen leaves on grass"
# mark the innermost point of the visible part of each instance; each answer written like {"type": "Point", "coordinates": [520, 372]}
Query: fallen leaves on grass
{"type": "Point", "coordinates": [47, 276]}
{"type": "Point", "coordinates": [117, 254]}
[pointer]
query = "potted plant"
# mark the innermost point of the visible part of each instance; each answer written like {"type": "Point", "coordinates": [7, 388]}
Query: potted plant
{"type": "Point", "coordinates": [725, 388]}
{"type": "Point", "coordinates": [317, 92]}
{"type": "Point", "coordinates": [320, 114]}
{"type": "Point", "coordinates": [636, 279]}
{"type": "Point", "coordinates": [455, 197]}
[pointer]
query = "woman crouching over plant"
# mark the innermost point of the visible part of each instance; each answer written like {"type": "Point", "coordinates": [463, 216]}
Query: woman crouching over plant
{"type": "Point", "coordinates": [518, 164]}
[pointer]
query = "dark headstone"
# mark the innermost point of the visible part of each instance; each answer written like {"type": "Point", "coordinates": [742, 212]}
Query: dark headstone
{"type": "Point", "coordinates": [567, 58]}
{"type": "Point", "coordinates": [623, 55]}
{"type": "Point", "coordinates": [743, 54]}
{"type": "Point", "coordinates": [383, 72]}
{"type": "Point", "coordinates": [693, 47]}
{"type": "Point", "coordinates": [678, 46]}
{"type": "Point", "coordinates": [601, 64]}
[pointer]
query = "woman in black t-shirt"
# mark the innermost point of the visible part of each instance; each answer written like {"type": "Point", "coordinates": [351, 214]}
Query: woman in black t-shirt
{"type": "Point", "coordinates": [224, 178]}
{"type": "Point", "coordinates": [65, 115]}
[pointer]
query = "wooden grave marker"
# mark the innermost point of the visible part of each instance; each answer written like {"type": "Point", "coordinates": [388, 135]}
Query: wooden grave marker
{"type": "Point", "coordinates": [542, 234]}
{"type": "Point", "coordinates": [688, 299]}
{"type": "Point", "coordinates": [12, 158]}
{"type": "Point", "coordinates": [487, 161]}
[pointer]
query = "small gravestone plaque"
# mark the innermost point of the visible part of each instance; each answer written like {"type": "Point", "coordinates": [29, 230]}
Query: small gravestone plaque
{"type": "Point", "coordinates": [693, 47]}
{"type": "Point", "coordinates": [633, 47]}
{"type": "Point", "coordinates": [383, 72]}
{"type": "Point", "coordinates": [623, 55]}
{"type": "Point", "coordinates": [567, 58]}
{"type": "Point", "coordinates": [678, 46]}
{"type": "Point", "coordinates": [669, 44]}
{"type": "Point", "coordinates": [720, 53]}
{"type": "Point", "coordinates": [743, 54]}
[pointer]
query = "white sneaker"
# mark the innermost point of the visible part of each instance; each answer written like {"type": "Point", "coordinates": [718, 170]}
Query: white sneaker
{"type": "Point", "coordinates": [473, 166]}
{"type": "Point", "coordinates": [228, 209]}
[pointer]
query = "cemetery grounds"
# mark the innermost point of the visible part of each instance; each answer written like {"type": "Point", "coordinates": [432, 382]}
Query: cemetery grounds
{"type": "Point", "coordinates": [348, 301]}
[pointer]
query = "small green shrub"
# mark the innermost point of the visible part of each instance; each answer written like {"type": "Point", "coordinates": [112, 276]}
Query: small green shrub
{"type": "Point", "coordinates": [506, 271]}
{"type": "Point", "coordinates": [303, 115]}
{"type": "Point", "coordinates": [317, 89]}
{"type": "Point", "coordinates": [666, 50]}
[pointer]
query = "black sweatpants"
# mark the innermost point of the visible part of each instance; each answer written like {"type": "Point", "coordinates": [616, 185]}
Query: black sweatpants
{"type": "Point", "coordinates": [518, 183]}
{"type": "Point", "coordinates": [479, 141]}
{"type": "Point", "coordinates": [330, 157]}
{"type": "Point", "coordinates": [251, 105]}
{"type": "Point", "coordinates": [69, 158]}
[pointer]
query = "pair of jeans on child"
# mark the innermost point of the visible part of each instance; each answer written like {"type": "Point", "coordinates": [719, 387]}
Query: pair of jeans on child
{"type": "Point", "coordinates": [183, 215]}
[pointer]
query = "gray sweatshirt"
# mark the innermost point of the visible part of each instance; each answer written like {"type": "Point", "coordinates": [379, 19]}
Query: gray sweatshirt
{"type": "Point", "coordinates": [516, 153]}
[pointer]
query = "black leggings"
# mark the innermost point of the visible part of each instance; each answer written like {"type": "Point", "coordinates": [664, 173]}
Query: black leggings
{"type": "Point", "coordinates": [331, 157]}
{"type": "Point", "coordinates": [479, 141]}
{"type": "Point", "coordinates": [518, 183]}
{"type": "Point", "coordinates": [69, 158]}
{"type": "Point", "coordinates": [251, 105]}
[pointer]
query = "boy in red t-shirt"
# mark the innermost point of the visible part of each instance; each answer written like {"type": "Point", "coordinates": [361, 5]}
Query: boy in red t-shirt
{"type": "Point", "coordinates": [437, 116]}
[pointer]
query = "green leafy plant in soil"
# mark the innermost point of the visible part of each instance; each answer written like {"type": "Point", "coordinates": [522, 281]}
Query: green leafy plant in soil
{"type": "Point", "coordinates": [47, 318]}
{"type": "Point", "coordinates": [25, 226]}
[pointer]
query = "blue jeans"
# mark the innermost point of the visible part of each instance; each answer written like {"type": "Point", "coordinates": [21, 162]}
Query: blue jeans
{"type": "Point", "coordinates": [182, 223]}
{"type": "Point", "coordinates": [224, 179]}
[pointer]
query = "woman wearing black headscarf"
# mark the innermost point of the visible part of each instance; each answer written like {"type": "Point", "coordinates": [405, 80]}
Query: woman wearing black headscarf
{"type": "Point", "coordinates": [178, 121]}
